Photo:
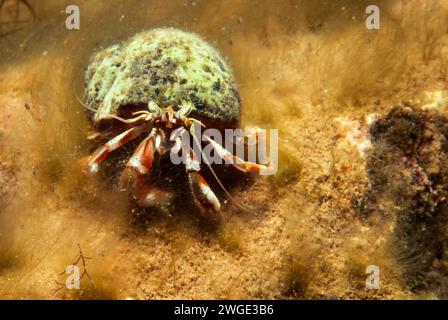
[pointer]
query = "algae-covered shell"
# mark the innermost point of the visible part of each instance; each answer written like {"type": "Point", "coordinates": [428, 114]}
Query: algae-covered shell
{"type": "Point", "coordinates": [169, 63]}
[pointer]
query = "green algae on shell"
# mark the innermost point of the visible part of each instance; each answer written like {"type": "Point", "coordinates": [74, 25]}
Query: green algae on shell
{"type": "Point", "coordinates": [176, 65]}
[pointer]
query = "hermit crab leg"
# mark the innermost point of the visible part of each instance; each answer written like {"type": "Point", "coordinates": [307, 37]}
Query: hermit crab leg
{"type": "Point", "coordinates": [203, 196]}
{"type": "Point", "coordinates": [138, 166]}
{"type": "Point", "coordinates": [100, 154]}
{"type": "Point", "coordinates": [143, 157]}
{"type": "Point", "coordinates": [190, 123]}
{"type": "Point", "coordinates": [237, 162]}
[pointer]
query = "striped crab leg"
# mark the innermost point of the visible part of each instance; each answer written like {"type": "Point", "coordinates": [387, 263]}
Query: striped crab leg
{"type": "Point", "coordinates": [203, 195]}
{"type": "Point", "coordinates": [138, 166]}
{"type": "Point", "coordinates": [93, 161]}
{"type": "Point", "coordinates": [237, 162]}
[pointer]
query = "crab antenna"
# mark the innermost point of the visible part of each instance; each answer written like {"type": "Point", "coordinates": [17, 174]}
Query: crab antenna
{"type": "Point", "coordinates": [112, 115]}
{"type": "Point", "coordinates": [85, 105]}
{"type": "Point", "coordinates": [160, 96]}
{"type": "Point", "coordinates": [198, 122]}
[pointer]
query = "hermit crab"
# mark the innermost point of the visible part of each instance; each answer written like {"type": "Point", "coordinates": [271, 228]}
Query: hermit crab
{"type": "Point", "coordinates": [158, 82]}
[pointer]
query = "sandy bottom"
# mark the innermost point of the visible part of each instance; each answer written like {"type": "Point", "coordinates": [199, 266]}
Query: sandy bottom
{"type": "Point", "coordinates": [307, 68]}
